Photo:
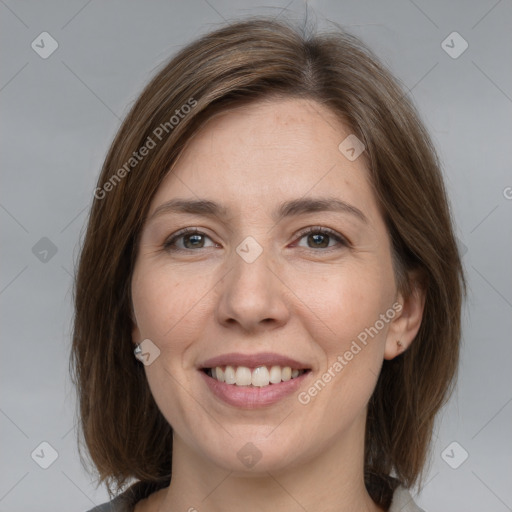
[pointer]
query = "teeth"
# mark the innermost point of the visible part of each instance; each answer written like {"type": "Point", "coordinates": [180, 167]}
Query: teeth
{"type": "Point", "coordinates": [243, 376]}
{"type": "Point", "coordinates": [259, 377]}
{"type": "Point", "coordinates": [229, 374]}
{"type": "Point", "coordinates": [275, 374]}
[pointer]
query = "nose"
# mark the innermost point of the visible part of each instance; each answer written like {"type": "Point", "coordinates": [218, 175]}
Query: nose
{"type": "Point", "coordinates": [252, 295]}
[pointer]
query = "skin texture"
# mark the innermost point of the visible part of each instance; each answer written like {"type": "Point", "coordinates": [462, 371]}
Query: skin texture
{"type": "Point", "coordinates": [296, 299]}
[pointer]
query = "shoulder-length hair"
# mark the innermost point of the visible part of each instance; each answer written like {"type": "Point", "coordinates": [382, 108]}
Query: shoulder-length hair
{"type": "Point", "coordinates": [125, 433]}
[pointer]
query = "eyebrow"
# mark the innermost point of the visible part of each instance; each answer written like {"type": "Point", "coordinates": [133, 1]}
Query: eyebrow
{"type": "Point", "coordinates": [287, 209]}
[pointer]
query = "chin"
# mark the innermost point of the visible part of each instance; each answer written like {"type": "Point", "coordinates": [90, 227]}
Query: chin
{"type": "Point", "coordinates": [254, 451]}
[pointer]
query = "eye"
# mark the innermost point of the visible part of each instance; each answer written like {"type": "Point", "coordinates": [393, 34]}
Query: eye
{"type": "Point", "coordinates": [187, 239]}
{"type": "Point", "coordinates": [322, 238]}
{"type": "Point", "coordinates": [316, 237]}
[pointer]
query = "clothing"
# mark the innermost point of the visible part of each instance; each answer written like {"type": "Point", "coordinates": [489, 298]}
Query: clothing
{"type": "Point", "coordinates": [125, 502]}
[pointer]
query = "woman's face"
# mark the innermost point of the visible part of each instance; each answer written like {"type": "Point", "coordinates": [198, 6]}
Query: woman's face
{"type": "Point", "coordinates": [286, 265]}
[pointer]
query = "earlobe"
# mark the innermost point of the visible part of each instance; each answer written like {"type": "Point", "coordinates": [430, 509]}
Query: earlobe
{"type": "Point", "coordinates": [391, 352]}
{"type": "Point", "coordinates": [406, 324]}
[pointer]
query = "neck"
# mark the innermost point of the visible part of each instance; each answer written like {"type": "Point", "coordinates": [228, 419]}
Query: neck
{"type": "Point", "coordinates": [332, 481]}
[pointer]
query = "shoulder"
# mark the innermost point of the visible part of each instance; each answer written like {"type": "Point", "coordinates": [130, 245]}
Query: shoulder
{"type": "Point", "coordinates": [120, 503]}
{"type": "Point", "coordinates": [126, 501]}
{"type": "Point", "coordinates": [403, 502]}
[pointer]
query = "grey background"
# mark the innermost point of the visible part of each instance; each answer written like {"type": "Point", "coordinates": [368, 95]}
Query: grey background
{"type": "Point", "coordinates": [59, 116]}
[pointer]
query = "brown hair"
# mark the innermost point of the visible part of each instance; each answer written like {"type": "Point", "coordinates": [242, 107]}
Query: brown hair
{"type": "Point", "coordinates": [124, 431]}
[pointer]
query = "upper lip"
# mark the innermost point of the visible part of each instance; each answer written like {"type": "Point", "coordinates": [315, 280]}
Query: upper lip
{"type": "Point", "coordinates": [253, 360]}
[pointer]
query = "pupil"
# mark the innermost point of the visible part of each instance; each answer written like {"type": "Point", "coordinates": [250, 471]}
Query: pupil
{"type": "Point", "coordinates": [319, 238]}
{"type": "Point", "coordinates": [193, 239]}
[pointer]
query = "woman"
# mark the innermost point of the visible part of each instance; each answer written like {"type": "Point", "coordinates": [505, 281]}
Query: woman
{"type": "Point", "coordinates": [267, 302]}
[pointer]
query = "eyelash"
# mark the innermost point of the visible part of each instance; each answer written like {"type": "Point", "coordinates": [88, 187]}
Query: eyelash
{"type": "Point", "coordinates": [170, 242]}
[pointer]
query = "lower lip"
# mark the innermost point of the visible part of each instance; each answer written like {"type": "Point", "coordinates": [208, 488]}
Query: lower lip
{"type": "Point", "coordinates": [250, 397]}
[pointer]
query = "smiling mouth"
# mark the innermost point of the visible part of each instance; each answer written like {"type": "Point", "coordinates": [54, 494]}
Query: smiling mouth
{"type": "Point", "coordinates": [260, 376]}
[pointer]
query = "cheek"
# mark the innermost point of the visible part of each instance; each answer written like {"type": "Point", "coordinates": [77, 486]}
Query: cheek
{"type": "Point", "coordinates": [165, 304]}
{"type": "Point", "coordinates": [345, 323]}
{"type": "Point", "coordinates": [166, 309]}
{"type": "Point", "coordinates": [344, 305]}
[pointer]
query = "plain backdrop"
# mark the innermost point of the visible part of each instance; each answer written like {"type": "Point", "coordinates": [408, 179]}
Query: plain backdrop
{"type": "Point", "coordinates": [58, 117]}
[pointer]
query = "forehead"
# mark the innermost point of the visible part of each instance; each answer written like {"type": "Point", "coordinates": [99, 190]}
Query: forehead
{"type": "Point", "coordinates": [268, 151]}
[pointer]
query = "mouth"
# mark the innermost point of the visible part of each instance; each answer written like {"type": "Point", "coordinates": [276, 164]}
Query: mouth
{"type": "Point", "coordinates": [254, 380]}
{"type": "Point", "coordinates": [259, 377]}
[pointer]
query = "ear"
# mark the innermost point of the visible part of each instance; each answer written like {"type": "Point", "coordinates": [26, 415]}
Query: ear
{"type": "Point", "coordinates": [406, 324]}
